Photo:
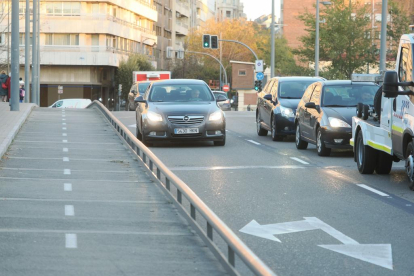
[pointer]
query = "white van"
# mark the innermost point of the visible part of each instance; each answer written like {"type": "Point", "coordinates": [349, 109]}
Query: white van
{"type": "Point", "coordinates": [71, 103]}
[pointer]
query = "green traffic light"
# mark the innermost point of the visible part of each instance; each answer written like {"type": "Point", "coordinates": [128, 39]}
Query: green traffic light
{"type": "Point", "coordinates": [206, 44]}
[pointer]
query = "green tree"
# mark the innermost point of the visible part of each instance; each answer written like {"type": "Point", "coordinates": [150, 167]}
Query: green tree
{"type": "Point", "coordinates": [397, 26]}
{"type": "Point", "coordinates": [344, 39]}
{"type": "Point", "coordinates": [123, 75]}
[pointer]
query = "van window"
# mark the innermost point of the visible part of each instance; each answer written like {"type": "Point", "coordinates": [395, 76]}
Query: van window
{"type": "Point", "coordinates": [59, 104]}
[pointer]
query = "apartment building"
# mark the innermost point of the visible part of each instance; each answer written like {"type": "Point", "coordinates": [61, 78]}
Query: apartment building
{"type": "Point", "coordinates": [83, 42]}
{"type": "Point", "coordinates": [229, 9]}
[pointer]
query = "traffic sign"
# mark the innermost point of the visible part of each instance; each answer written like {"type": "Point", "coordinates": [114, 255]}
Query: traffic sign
{"type": "Point", "coordinates": [60, 89]}
{"type": "Point", "coordinates": [259, 65]}
{"type": "Point", "coordinates": [259, 76]}
{"type": "Point", "coordinates": [226, 88]}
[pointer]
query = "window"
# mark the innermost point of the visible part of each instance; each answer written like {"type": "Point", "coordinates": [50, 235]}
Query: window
{"type": "Point", "coordinates": [22, 39]}
{"type": "Point", "coordinates": [242, 73]}
{"type": "Point", "coordinates": [367, 34]}
{"type": "Point", "coordinates": [95, 8]}
{"type": "Point", "coordinates": [62, 39]}
{"type": "Point", "coordinates": [158, 31]}
{"type": "Point", "coordinates": [62, 8]}
{"type": "Point", "coordinates": [377, 35]}
{"type": "Point", "coordinates": [228, 14]}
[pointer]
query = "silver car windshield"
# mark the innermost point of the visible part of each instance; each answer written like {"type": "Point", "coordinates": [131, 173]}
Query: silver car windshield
{"type": "Point", "coordinates": [180, 93]}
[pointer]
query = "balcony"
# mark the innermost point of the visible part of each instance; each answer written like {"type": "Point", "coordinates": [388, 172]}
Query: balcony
{"type": "Point", "coordinates": [181, 28]}
{"type": "Point", "coordinates": [182, 8]}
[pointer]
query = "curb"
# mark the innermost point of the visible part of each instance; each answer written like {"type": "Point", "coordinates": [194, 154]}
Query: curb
{"type": "Point", "coordinates": [10, 137]}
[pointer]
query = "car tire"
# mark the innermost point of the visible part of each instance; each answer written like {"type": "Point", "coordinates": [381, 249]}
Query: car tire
{"type": "Point", "coordinates": [275, 137]}
{"type": "Point", "coordinates": [384, 163]}
{"type": "Point", "coordinates": [220, 143]}
{"type": "Point", "coordinates": [320, 144]}
{"type": "Point", "coordinates": [260, 131]}
{"type": "Point", "coordinates": [138, 133]}
{"type": "Point", "coordinates": [300, 144]}
{"type": "Point", "coordinates": [365, 156]}
{"type": "Point", "coordinates": [408, 152]}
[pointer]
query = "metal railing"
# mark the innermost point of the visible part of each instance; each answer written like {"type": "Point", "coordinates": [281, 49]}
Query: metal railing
{"type": "Point", "coordinates": [167, 179]}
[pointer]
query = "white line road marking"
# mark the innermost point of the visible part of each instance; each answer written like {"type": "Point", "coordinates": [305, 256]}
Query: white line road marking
{"type": "Point", "coordinates": [67, 187]}
{"type": "Point", "coordinates": [64, 134]}
{"type": "Point", "coordinates": [69, 210]}
{"type": "Point", "coordinates": [217, 168]}
{"type": "Point", "coordinates": [63, 128]}
{"type": "Point", "coordinates": [64, 124]}
{"type": "Point", "coordinates": [299, 160]}
{"type": "Point", "coordinates": [132, 126]}
{"type": "Point", "coordinates": [63, 119]}
{"type": "Point", "coordinates": [65, 150]}
{"type": "Point", "coordinates": [63, 115]}
{"type": "Point", "coordinates": [254, 142]}
{"type": "Point", "coordinates": [66, 171]}
{"type": "Point", "coordinates": [71, 241]}
{"type": "Point", "coordinates": [372, 190]}
{"type": "Point", "coordinates": [65, 159]}
{"type": "Point", "coordinates": [64, 141]}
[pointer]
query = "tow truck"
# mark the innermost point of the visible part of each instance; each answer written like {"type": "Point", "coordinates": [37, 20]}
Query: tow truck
{"type": "Point", "coordinates": [384, 132]}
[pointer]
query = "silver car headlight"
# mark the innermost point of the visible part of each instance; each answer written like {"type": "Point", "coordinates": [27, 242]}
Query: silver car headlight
{"type": "Point", "coordinates": [335, 122]}
{"type": "Point", "coordinates": [287, 112]}
{"type": "Point", "coordinates": [215, 116]}
{"type": "Point", "coordinates": [155, 117]}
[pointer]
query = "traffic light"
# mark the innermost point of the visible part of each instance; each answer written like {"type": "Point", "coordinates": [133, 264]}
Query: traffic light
{"type": "Point", "coordinates": [260, 86]}
{"type": "Point", "coordinates": [256, 85]}
{"type": "Point", "coordinates": [206, 41]}
{"type": "Point", "coordinates": [214, 42]}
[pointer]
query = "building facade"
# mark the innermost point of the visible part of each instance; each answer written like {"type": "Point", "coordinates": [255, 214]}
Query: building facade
{"type": "Point", "coordinates": [229, 9]}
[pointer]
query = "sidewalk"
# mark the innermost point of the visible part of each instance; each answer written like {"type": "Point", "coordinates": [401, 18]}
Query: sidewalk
{"type": "Point", "coordinates": [11, 122]}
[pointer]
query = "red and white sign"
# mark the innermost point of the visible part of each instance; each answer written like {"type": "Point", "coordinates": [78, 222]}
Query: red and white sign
{"type": "Point", "coordinates": [151, 75]}
{"type": "Point", "coordinates": [226, 88]}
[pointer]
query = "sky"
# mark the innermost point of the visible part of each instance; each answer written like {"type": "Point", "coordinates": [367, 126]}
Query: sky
{"type": "Point", "coordinates": [255, 8]}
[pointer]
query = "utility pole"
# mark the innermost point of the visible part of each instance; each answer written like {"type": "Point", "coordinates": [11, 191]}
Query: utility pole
{"type": "Point", "coordinates": [221, 55]}
{"type": "Point", "coordinates": [14, 91]}
{"type": "Point", "coordinates": [8, 36]}
{"type": "Point", "coordinates": [383, 49]}
{"type": "Point", "coordinates": [27, 53]}
{"type": "Point", "coordinates": [272, 54]}
{"type": "Point", "coordinates": [34, 98]}
{"type": "Point", "coordinates": [38, 53]}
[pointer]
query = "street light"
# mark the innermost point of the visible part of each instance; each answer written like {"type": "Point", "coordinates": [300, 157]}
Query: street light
{"type": "Point", "coordinates": [326, 3]}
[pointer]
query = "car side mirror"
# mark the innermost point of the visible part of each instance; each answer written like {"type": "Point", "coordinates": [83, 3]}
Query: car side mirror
{"type": "Point", "coordinates": [221, 98]}
{"type": "Point", "coordinates": [267, 97]}
{"type": "Point", "coordinates": [390, 86]}
{"type": "Point", "coordinates": [140, 99]}
{"type": "Point", "coordinates": [310, 105]}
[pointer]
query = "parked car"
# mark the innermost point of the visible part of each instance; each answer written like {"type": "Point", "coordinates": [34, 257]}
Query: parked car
{"type": "Point", "coordinates": [224, 105]}
{"type": "Point", "coordinates": [180, 110]}
{"type": "Point", "coordinates": [277, 103]}
{"type": "Point", "coordinates": [71, 103]}
{"type": "Point", "coordinates": [138, 88]}
{"type": "Point", "coordinates": [324, 114]}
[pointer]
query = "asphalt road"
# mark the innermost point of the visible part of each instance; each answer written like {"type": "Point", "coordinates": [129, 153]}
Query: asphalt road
{"type": "Point", "coordinates": [350, 229]}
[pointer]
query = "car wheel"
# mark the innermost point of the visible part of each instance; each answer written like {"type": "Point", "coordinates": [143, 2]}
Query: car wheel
{"type": "Point", "coordinates": [275, 137]}
{"type": "Point", "coordinates": [260, 131]}
{"type": "Point", "coordinates": [365, 156]}
{"type": "Point", "coordinates": [300, 144]}
{"type": "Point", "coordinates": [138, 133]}
{"type": "Point", "coordinates": [220, 143]}
{"type": "Point", "coordinates": [384, 163]}
{"type": "Point", "coordinates": [320, 145]}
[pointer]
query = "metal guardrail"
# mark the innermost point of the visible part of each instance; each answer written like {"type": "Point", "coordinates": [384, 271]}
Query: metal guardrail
{"type": "Point", "coordinates": [157, 169]}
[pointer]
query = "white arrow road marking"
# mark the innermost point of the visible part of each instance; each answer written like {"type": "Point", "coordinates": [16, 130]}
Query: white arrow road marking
{"type": "Point", "coordinates": [378, 254]}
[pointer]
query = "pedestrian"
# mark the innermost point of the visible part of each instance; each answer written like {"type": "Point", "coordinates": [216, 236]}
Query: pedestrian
{"type": "Point", "coordinates": [22, 93]}
{"type": "Point", "coordinates": [8, 84]}
{"type": "Point", "coordinates": [3, 86]}
{"type": "Point", "coordinates": [21, 82]}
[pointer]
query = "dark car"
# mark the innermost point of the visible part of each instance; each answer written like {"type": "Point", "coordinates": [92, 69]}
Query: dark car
{"type": "Point", "coordinates": [180, 110]}
{"type": "Point", "coordinates": [224, 105]}
{"type": "Point", "coordinates": [277, 103]}
{"type": "Point", "coordinates": [137, 89]}
{"type": "Point", "coordinates": [324, 115]}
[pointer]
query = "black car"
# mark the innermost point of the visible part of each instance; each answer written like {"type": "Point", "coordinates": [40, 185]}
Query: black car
{"type": "Point", "coordinates": [324, 115]}
{"type": "Point", "coordinates": [277, 103]}
{"type": "Point", "coordinates": [176, 109]}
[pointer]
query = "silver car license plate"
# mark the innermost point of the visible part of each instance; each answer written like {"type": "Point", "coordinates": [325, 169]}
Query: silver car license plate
{"type": "Point", "coordinates": [185, 130]}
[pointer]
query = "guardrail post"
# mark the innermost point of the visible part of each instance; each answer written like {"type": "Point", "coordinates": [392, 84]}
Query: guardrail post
{"type": "Point", "coordinates": [138, 151]}
{"type": "Point", "coordinates": [158, 173]}
{"type": "Point", "coordinates": [193, 211]}
{"type": "Point", "coordinates": [209, 231]}
{"type": "Point", "coordinates": [144, 158]}
{"type": "Point", "coordinates": [151, 165]}
{"type": "Point", "coordinates": [179, 198]}
{"type": "Point", "coordinates": [231, 256]}
{"type": "Point", "coordinates": [167, 184]}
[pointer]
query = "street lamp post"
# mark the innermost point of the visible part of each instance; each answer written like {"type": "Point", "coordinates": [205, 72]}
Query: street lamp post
{"type": "Point", "coordinates": [317, 36]}
{"type": "Point", "coordinates": [272, 54]}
